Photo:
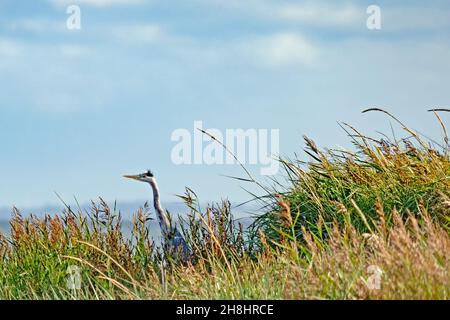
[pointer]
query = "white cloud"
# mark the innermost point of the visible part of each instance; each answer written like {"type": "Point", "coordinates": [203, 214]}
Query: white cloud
{"type": "Point", "coordinates": [283, 49]}
{"type": "Point", "coordinates": [9, 48]}
{"type": "Point", "coordinates": [96, 3]}
{"type": "Point", "coordinates": [338, 14]}
{"type": "Point", "coordinates": [74, 51]}
{"type": "Point", "coordinates": [10, 53]}
{"type": "Point", "coordinates": [317, 13]}
{"type": "Point", "coordinates": [321, 14]}
{"type": "Point", "coordinates": [36, 25]}
{"type": "Point", "coordinates": [144, 34]}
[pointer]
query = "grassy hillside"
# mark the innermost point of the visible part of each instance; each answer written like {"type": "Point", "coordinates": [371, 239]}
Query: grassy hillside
{"type": "Point", "coordinates": [369, 224]}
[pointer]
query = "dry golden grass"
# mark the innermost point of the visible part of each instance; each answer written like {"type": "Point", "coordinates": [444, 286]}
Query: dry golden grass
{"type": "Point", "coordinates": [411, 257]}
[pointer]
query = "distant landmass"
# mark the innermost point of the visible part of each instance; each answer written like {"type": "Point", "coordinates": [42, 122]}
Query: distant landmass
{"type": "Point", "coordinates": [126, 209]}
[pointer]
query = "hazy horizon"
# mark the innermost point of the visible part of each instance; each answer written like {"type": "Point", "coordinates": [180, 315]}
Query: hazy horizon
{"type": "Point", "coordinates": [241, 214]}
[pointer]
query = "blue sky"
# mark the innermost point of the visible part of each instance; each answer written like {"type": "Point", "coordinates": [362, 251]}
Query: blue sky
{"type": "Point", "coordinates": [79, 108]}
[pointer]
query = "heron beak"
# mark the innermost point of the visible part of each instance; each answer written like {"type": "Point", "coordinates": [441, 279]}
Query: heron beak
{"type": "Point", "coordinates": [132, 177]}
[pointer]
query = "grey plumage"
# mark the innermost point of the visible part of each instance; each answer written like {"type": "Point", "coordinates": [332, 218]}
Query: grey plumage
{"type": "Point", "coordinates": [173, 242]}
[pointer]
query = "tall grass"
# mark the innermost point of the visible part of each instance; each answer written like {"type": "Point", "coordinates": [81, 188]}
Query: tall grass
{"type": "Point", "coordinates": [411, 254]}
{"type": "Point", "coordinates": [347, 186]}
{"type": "Point", "coordinates": [341, 220]}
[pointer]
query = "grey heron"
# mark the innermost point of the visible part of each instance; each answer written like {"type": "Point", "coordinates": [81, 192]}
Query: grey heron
{"type": "Point", "coordinates": [172, 239]}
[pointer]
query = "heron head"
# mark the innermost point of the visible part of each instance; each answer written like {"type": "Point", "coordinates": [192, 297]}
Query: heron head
{"type": "Point", "coordinates": [144, 177]}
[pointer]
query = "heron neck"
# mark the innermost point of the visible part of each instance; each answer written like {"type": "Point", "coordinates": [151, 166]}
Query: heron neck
{"type": "Point", "coordinates": [162, 217]}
